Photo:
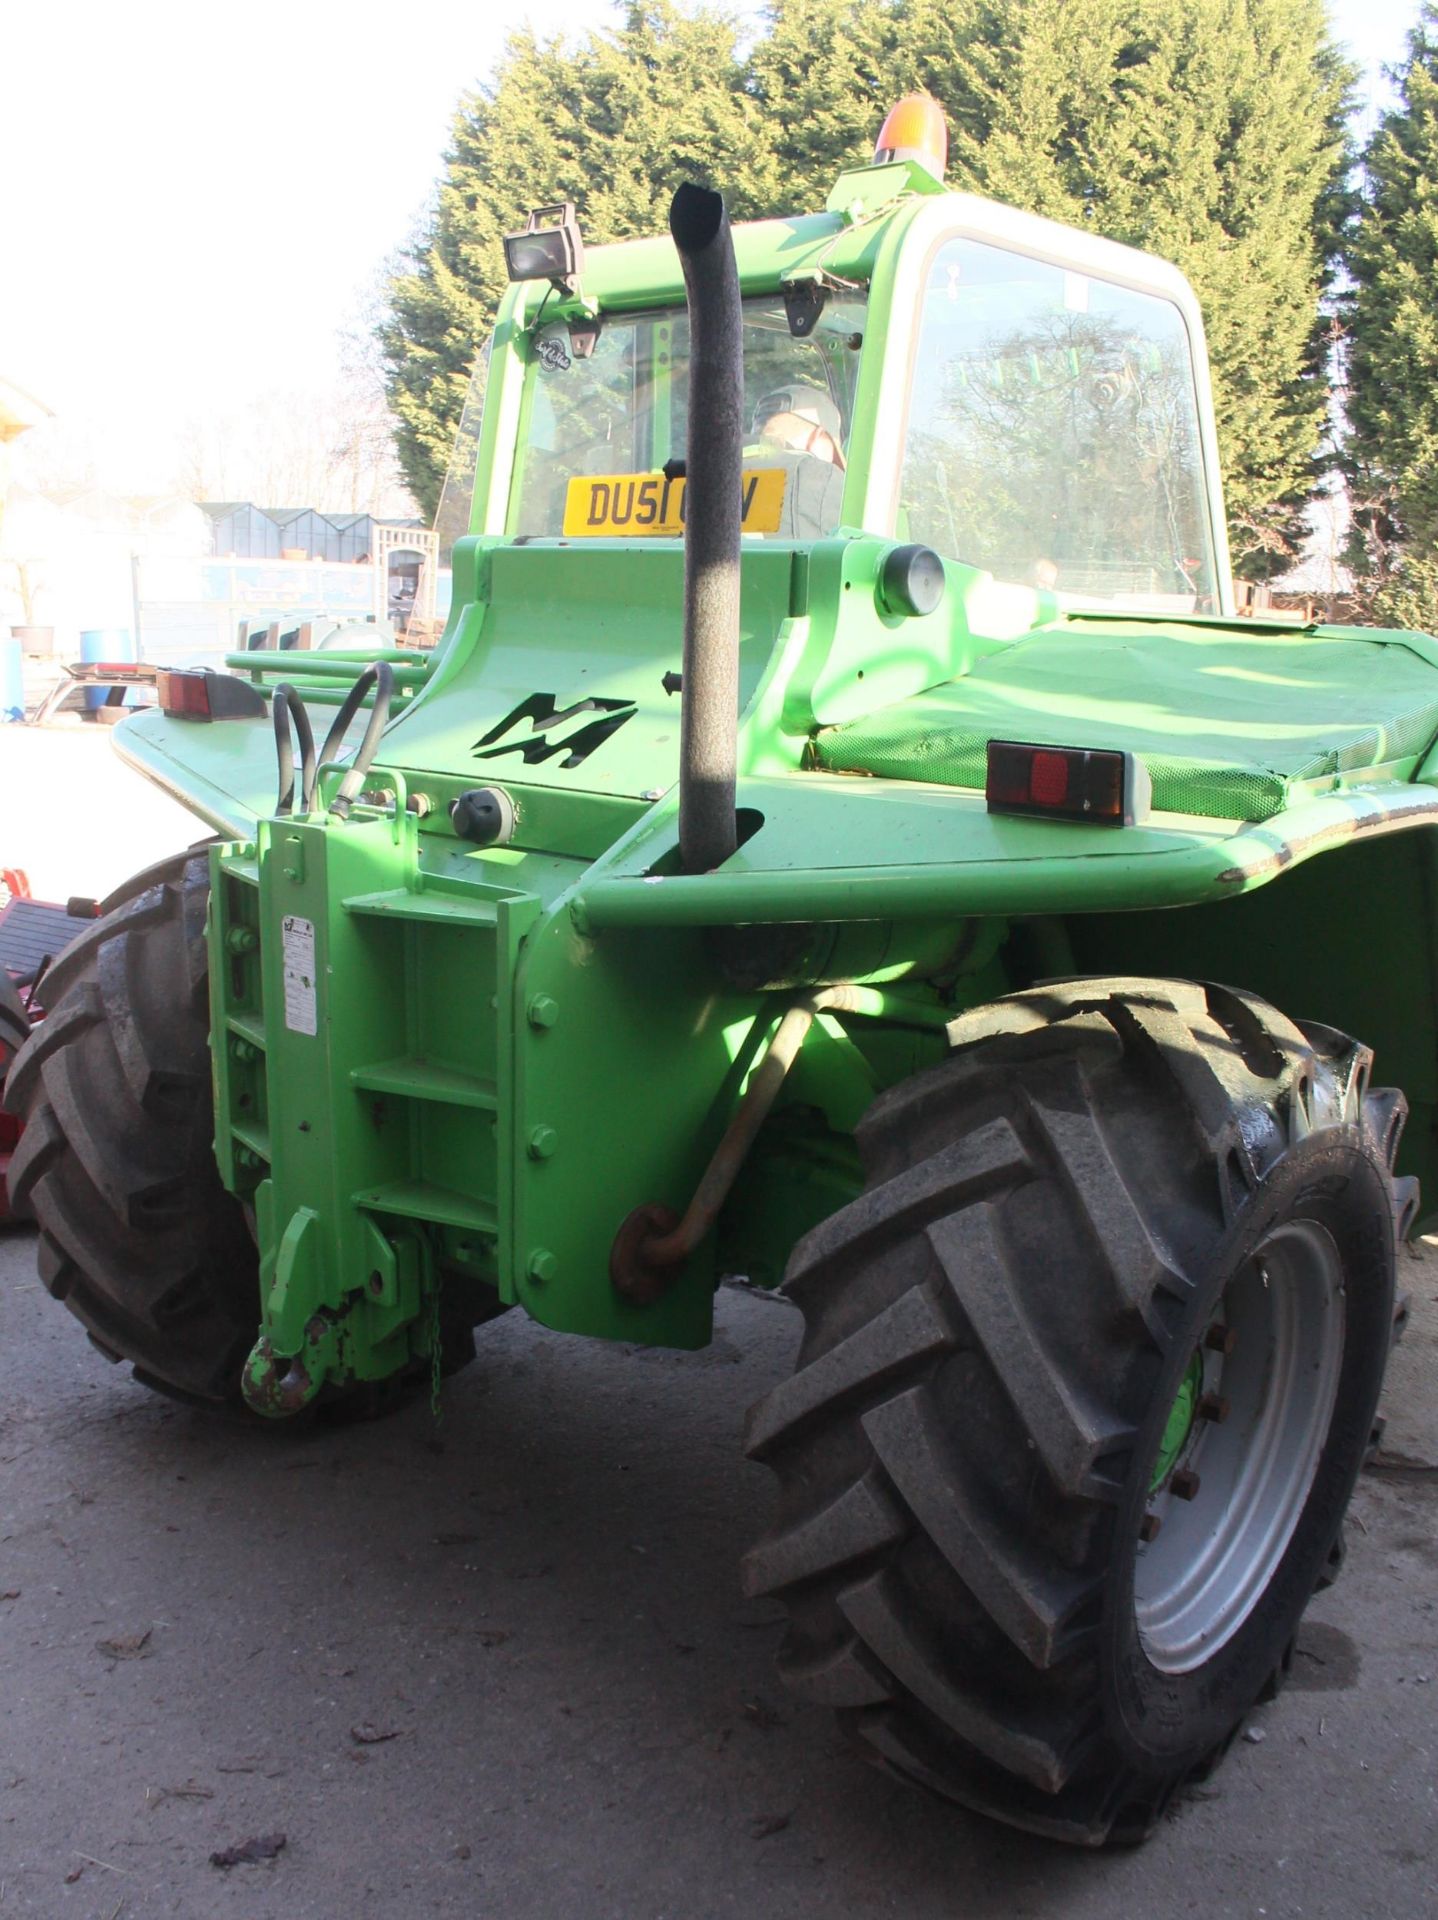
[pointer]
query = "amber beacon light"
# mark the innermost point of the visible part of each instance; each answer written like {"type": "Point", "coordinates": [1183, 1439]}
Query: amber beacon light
{"type": "Point", "coordinates": [916, 130]}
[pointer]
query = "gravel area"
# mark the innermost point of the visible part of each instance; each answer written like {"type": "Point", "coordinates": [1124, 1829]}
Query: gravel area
{"type": "Point", "coordinates": [500, 1665]}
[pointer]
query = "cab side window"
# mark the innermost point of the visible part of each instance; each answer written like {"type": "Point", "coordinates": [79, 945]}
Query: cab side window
{"type": "Point", "coordinates": [1054, 434]}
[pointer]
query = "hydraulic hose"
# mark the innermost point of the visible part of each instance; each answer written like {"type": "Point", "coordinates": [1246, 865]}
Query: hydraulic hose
{"type": "Point", "coordinates": [289, 708]}
{"type": "Point", "coordinates": [380, 677]}
{"type": "Point", "coordinates": [712, 515]}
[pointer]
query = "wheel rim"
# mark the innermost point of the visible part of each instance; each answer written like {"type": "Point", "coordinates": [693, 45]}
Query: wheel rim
{"type": "Point", "coordinates": [1241, 1447]}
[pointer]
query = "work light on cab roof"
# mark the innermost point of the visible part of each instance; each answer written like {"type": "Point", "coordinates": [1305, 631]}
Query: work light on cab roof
{"type": "Point", "coordinates": [914, 129]}
{"type": "Point", "coordinates": [549, 248]}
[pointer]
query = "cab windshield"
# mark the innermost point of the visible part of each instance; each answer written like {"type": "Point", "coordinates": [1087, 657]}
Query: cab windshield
{"type": "Point", "coordinates": [603, 416]}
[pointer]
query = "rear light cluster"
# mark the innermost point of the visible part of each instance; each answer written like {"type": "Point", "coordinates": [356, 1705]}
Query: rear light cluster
{"type": "Point", "coordinates": [198, 693]}
{"type": "Point", "coordinates": [184, 693]}
{"type": "Point", "coordinates": [1105, 788]}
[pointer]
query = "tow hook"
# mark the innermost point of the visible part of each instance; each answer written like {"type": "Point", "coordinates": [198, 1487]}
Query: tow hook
{"type": "Point", "coordinates": [274, 1394]}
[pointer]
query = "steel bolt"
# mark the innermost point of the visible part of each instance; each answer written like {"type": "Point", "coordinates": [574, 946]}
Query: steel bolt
{"type": "Point", "coordinates": [246, 1157]}
{"type": "Point", "coordinates": [1149, 1527]}
{"type": "Point", "coordinates": [242, 940]}
{"type": "Point", "coordinates": [542, 1011]}
{"type": "Point", "coordinates": [376, 1281]}
{"type": "Point", "coordinates": [542, 1265]}
{"type": "Point", "coordinates": [1184, 1484]}
{"type": "Point", "coordinates": [542, 1142]}
{"type": "Point", "coordinates": [1220, 1339]}
{"type": "Point", "coordinates": [316, 1328]}
{"type": "Point", "coordinates": [243, 1049]}
{"type": "Point", "coordinates": [1213, 1406]}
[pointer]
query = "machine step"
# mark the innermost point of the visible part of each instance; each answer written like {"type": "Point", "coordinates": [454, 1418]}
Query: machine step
{"type": "Point", "coordinates": [247, 1026]}
{"type": "Point", "coordinates": [418, 1200]}
{"type": "Point", "coordinates": [399, 903]}
{"type": "Point", "coordinates": [415, 1079]}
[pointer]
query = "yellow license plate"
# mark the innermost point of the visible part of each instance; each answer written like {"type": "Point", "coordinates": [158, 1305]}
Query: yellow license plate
{"type": "Point", "coordinates": [630, 503]}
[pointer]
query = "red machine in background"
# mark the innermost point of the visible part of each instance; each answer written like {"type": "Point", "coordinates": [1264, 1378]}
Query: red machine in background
{"type": "Point", "coordinates": [32, 934]}
{"type": "Point", "coordinates": [14, 1025]}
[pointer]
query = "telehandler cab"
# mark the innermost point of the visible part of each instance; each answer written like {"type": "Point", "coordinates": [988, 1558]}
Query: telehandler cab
{"type": "Point", "coordinates": [844, 838]}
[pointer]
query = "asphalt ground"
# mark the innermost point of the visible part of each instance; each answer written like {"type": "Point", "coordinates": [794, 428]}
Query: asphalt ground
{"type": "Point", "coordinates": [499, 1664]}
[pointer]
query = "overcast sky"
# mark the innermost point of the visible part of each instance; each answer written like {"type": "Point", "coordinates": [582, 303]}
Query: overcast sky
{"type": "Point", "coordinates": [195, 200]}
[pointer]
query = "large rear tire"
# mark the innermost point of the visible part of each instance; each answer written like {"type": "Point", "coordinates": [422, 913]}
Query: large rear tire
{"type": "Point", "coordinates": [1087, 1377]}
{"type": "Point", "coordinates": [138, 1236]}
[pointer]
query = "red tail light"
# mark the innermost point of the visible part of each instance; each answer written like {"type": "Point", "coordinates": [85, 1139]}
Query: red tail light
{"type": "Point", "coordinates": [184, 693]}
{"type": "Point", "coordinates": [1103, 787]}
{"type": "Point", "coordinates": [199, 693]}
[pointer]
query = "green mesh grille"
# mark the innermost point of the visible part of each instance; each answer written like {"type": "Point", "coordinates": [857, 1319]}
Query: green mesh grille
{"type": "Point", "coordinates": [1256, 716]}
{"type": "Point", "coordinates": [959, 759]}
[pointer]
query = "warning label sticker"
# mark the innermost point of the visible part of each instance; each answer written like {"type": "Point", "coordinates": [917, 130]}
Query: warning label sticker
{"type": "Point", "coordinates": [299, 952]}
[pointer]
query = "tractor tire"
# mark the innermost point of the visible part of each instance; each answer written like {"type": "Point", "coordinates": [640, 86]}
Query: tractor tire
{"type": "Point", "coordinates": [137, 1235]}
{"type": "Point", "coordinates": [1087, 1377]}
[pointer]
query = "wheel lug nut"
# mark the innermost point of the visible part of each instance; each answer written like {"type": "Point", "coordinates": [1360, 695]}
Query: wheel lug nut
{"type": "Point", "coordinates": [1148, 1527]}
{"type": "Point", "coordinates": [1184, 1484]}
{"type": "Point", "coordinates": [1220, 1339]}
{"type": "Point", "coordinates": [1213, 1406]}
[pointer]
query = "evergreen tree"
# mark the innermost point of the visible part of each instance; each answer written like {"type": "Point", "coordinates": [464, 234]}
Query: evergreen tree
{"type": "Point", "coordinates": [613, 124]}
{"type": "Point", "coordinates": [826, 72]}
{"type": "Point", "coordinates": [1392, 394]}
{"type": "Point", "coordinates": [1210, 131]}
{"type": "Point", "coordinates": [1151, 121]}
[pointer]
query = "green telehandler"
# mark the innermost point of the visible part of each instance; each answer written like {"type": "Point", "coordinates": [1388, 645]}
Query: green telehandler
{"type": "Point", "coordinates": [843, 838]}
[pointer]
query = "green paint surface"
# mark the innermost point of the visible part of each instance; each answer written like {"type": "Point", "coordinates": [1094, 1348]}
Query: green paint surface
{"type": "Point", "coordinates": [1179, 1425]}
{"type": "Point", "coordinates": [1231, 726]}
{"type": "Point", "coordinates": [443, 1070]}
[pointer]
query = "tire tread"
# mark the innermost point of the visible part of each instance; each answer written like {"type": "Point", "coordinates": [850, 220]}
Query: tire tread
{"type": "Point", "coordinates": [983, 1329]}
{"type": "Point", "coordinates": [137, 1235]}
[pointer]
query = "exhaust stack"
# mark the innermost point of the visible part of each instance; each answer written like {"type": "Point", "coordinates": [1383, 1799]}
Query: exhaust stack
{"type": "Point", "coordinates": [714, 479]}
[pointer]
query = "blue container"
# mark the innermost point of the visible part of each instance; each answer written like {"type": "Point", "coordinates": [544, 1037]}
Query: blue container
{"type": "Point", "coordinates": [106, 643]}
{"type": "Point", "coordinates": [12, 681]}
